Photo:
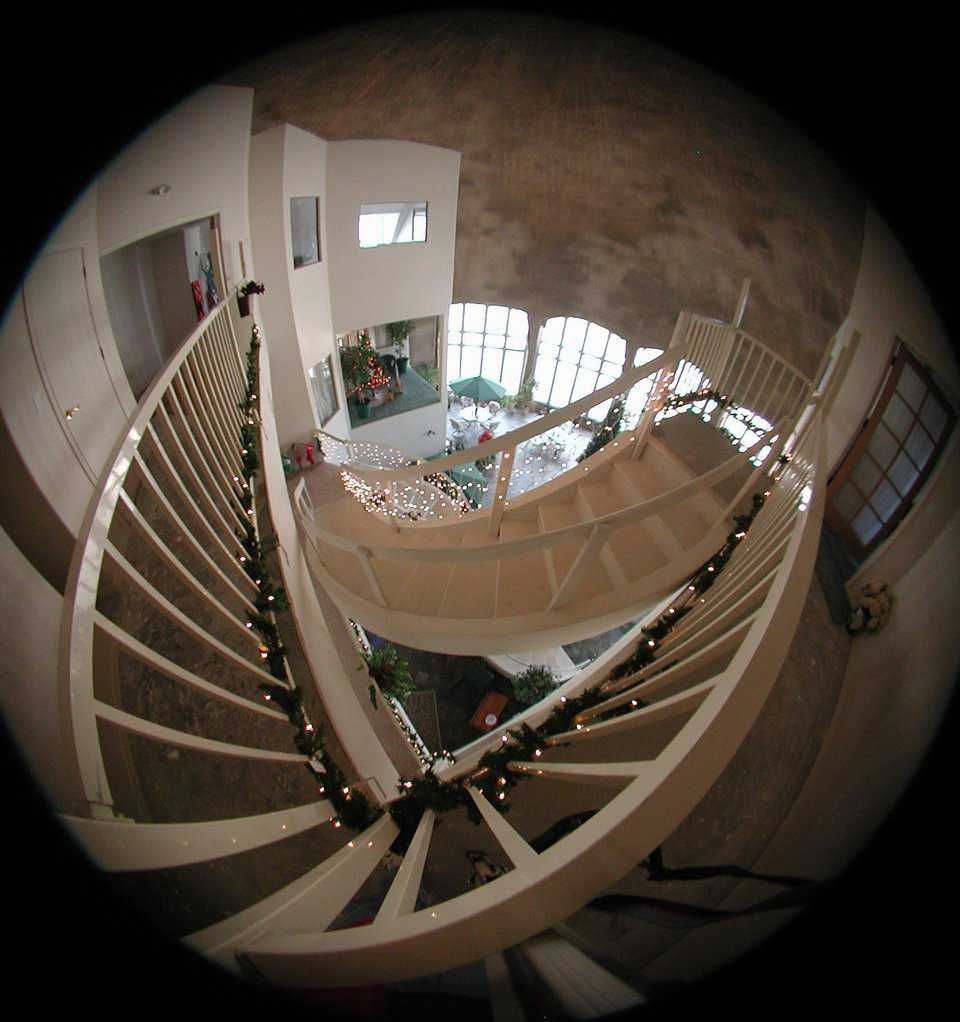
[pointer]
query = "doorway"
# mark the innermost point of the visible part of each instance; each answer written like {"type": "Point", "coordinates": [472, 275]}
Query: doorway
{"type": "Point", "coordinates": [157, 290]}
{"type": "Point", "coordinates": [891, 459]}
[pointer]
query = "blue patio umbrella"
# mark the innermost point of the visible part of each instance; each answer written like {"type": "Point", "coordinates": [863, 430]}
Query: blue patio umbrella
{"type": "Point", "coordinates": [479, 388]}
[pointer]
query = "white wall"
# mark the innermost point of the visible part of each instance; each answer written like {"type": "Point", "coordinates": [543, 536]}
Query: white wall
{"type": "Point", "coordinates": [380, 285]}
{"type": "Point", "coordinates": [201, 150]}
{"type": "Point", "coordinates": [123, 284]}
{"type": "Point", "coordinates": [172, 287]}
{"type": "Point", "coordinates": [305, 173]}
{"type": "Point", "coordinates": [295, 307]}
{"type": "Point", "coordinates": [407, 431]}
{"type": "Point", "coordinates": [898, 680]}
{"type": "Point", "coordinates": [33, 419]}
{"type": "Point", "coordinates": [889, 300]}
{"type": "Point", "coordinates": [29, 698]}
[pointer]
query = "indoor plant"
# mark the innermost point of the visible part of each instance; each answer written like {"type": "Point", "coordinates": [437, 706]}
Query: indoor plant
{"type": "Point", "coordinates": [355, 368]}
{"type": "Point", "coordinates": [398, 333]}
{"type": "Point", "coordinates": [531, 685]}
{"type": "Point", "coordinates": [250, 287]}
{"type": "Point", "coordinates": [390, 672]}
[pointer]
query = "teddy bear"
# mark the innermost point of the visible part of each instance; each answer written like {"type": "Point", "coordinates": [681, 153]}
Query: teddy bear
{"type": "Point", "coordinates": [876, 601]}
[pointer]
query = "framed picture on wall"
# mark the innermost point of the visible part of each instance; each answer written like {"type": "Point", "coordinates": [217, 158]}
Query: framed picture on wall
{"type": "Point", "coordinates": [324, 390]}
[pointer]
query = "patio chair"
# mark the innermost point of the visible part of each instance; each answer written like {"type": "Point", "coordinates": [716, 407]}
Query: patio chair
{"type": "Point", "coordinates": [493, 407]}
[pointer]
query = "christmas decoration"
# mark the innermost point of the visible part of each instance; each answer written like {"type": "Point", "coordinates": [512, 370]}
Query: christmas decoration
{"type": "Point", "coordinates": [608, 429]}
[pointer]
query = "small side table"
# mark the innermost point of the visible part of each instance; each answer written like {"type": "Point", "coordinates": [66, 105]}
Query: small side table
{"type": "Point", "coordinates": [487, 714]}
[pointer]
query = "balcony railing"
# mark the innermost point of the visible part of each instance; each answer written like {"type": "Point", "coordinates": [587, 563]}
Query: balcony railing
{"type": "Point", "coordinates": [710, 676]}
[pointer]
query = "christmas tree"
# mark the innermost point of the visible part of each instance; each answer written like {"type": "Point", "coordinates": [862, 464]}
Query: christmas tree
{"type": "Point", "coordinates": [376, 376]}
{"type": "Point", "coordinates": [609, 428]}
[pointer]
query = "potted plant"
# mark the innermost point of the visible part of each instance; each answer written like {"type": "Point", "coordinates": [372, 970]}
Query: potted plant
{"type": "Point", "coordinates": [398, 333]}
{"type": "Point", "coordinates": [250, 287]}
{"type": "Point", "coordinates": [390, 672]}
{"type": "Point", "coordinates": [355, 366]}
{"type": "Point", "coordinates": [531, 685]}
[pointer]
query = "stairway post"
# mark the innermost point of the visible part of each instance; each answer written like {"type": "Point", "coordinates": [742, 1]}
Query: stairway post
{"type": "Point", "coordinates": [504, 471]}
{"type": "Point", "coordinates": [741, 303]}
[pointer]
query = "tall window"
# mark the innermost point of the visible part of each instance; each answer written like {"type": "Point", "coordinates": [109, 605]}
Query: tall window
{"type": "Point", "coordinates": [640, 391]}
{"type": "Point", "coordinates": [574, 358]}
{"type": "Point", "coordinates": [487, 340]}
{"type": "Point", "coordinates": [321, 378]}
{"type": "Point", "coordinates": [391, 223]}
{"type": "Point", "coordinates": [305, 230]}
{"type": "Point", "coordinates": [892, 457]}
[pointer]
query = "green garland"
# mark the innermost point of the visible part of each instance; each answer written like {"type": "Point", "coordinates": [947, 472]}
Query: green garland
{"type": "Point", "coordinates": [352, 807]}
{"type": "Point", "coordinates": [492, 777]}
{"type": "Point", "coordinates": [608, 429]}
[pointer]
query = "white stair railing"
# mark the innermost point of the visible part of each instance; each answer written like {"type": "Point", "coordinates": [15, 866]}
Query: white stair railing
{"type": "Point", "coordinates": [754, 624]}
{"type": "Point", "coordinates": [189, 422]}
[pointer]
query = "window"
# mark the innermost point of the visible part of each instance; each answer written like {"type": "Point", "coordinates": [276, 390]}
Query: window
{"type": "Point", "coordinates": [392, 223]}
{"type": "Point", "coordinates": [321, 377]}
{"type": "Point", "coordinates": [487, 340]}
{"type": "Point", "coordinates": [305, 230]}
{"type": "Point", "coordinates": [891, 458]}
{"type": "Point", "coordinates": [640, 391]}
{"type": "Point", "coordinates": [575, 358]}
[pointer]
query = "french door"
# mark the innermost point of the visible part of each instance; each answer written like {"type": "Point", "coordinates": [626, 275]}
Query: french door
{"type": "Point", "coordinates": [891, 458]}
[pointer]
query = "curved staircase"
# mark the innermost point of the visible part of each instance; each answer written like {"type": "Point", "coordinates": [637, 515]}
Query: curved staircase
{"type": "Point", "coordinates": [596, 547]}
{"type": "Point", "coordinates": [615, 538]}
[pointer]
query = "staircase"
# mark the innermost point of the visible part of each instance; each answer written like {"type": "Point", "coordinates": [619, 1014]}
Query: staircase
{"type": "Point", "coordinates": [599, 545]}
{"type": "Point", "coordinates": [613, 539]}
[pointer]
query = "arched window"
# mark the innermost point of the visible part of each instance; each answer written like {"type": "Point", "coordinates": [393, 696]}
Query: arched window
{"type": "Point", "coordinates": [641, 389]}
{"type": "Point", "coordinates": [574, 358]}
{"type": "Point", "coordinates": [487, 340]}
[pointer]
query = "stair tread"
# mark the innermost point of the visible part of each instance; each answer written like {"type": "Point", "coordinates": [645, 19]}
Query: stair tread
{"type": "Point", "coordinates": [393, 577]}
{"type": "Point", "coordinates": [688, 520]}
{"type": "Point", "coordinates": [345, 568]}
{"type": "Point", "coordinates": [518, 529]}
{"type": "Point", "coordinates": [557, 516]}
{"type": "Point", "coordinates": [426, 589]}
{"type": "Point", "coordinates": [471, 591]}
{"type": "Point", "coordinates": [523, 585]}
{"type": "Point", "coordinates": [601, 498]}
{"type": "Point", "coordinates": [593, 580]}
{"type": "Point", "coordinates": [636, 550]}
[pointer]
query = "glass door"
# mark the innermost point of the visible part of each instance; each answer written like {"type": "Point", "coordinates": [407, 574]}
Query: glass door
{"type": "Point", "coordinates": [892, 458]}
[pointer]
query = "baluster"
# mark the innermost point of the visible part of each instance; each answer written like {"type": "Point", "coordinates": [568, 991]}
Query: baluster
{"type": "Point", "coordinates": [504, 471]}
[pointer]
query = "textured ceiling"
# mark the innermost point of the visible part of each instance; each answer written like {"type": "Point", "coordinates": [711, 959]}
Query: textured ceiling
{"type": "Point", "coordinates": [602, 175]}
